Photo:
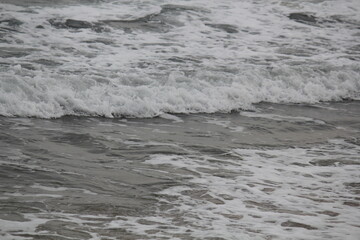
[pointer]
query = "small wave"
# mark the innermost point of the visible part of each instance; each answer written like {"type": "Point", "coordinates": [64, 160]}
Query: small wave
{"type": "Point", "coordinates": [45, 95]}
{"type": "Point", "coordinates": [146, 58]}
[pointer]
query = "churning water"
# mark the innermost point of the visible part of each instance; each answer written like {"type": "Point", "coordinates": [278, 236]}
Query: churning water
{"type": "Point", "coordinates": [144, 58]}
{"type": "Point", "coordinates": [199, 119]}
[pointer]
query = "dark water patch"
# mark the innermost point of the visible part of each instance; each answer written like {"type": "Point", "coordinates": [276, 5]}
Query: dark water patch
{"type": "Point", "coordinates": [118, 207]}
{"type": "Point", "coordinates": [39, 151]}
{"type": "Point", "coordinates": [147, 222]}
{"type": "Point", "coordinates": [214, 238]}
{"type": "Point", "coordinates": [151, 22]}
{"type": "Point", "coordinates": [27, 66]}
{"type": "Point", "coordinates": [353, 185]}
{"type": "Point", "coordinates": [264, 206]}
{"type": "Point", "coordinates": [268, 190]}
{"type": "Point", "coordinates": [227, 174]}
{"type": "Point", "coordinates": [104, 41]}
{"type": "Point", "coordinates": [352, 203]}
{"type": "Point", "coordinates": [26, 176]}
{"type": "Point", "coordinates": [12, 216]}
{"type": "Point", "coordinates": [77, 25]}
{"type": "Point", "coordinates": [348, 22]}
{"type": "Point", "coordinates": [354, 49]}
{"type": "Point", "coordinates": [39, 236]}
{"type": "Point", "coordinates": [120, 231]}
{"type": "Point", "coordinates": [292, 224]}
{"type": "Point", "coordinates": [202, 195]}
{"type": "Point", "coordinates": [212, 151]}
{"type": "Point", "coordinates": [8, 29]}
{"type": "Point", "coordinates": [333, 162]}
{"type": "Point", "coordinates": [162, 44]}
{"type": "Point", "coordinates": [44, 3]}
{"type": "Point", "coordinates": [184, 59]}
{"type": "Point", "coordinates": [329, 213]}
{"type": "Point", "coordinates": [63, 228]}
{"type": "Point", "coordinates": [157, 186]}
{"type": "Point", "coordinates": [299, 52]}
{"type": "Point", "coordinates": [9, 25]}
{"type": "Point", "coordinates": [224, 27]}
{"type": "Point", "coordinates": [9, 52]}
{"type": "Point", "coordinates": [15, 209]}
{"type": "Point", "coordinates": [106, 197]}
{"type": "Point", "coordinates": [329, 22]}
{"type": "Point", "coordinates": [47, 62]}
{"type": "Point", "coordinates": [270, 207]}
{"type": "Point", "coordinates": [325, 174]}
{"type": "Point", "coordinates": [174, 8]}
{"type": "Point", "coordinates": [78, 139]}
{"type": "Point", "coordinates": [303, 18]}
{"type": "Point", "coordinates": [12, 22]}
{"type": "Point", "coordinates": [317, 198]}
{"type": "Point", "coordinates": [56, 23]}
{"type": "Point", "coordinates": [11, 139]}
{"type": "Point", "coordinates": [161, 21]}
{"type": "Point", "coordinates": [260, 129]}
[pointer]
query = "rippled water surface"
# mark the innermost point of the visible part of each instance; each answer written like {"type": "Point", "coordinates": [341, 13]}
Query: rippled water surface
{"type": "Point", "coordinates": [280, 172]}
{"type": "Point", "coordinates": [202, 119]}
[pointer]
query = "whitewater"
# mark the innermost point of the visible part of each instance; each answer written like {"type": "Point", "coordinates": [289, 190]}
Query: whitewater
{"type": "Point", "coordinates": [146, 58]}
{"type": "Point", "coordinates": [179, 119]}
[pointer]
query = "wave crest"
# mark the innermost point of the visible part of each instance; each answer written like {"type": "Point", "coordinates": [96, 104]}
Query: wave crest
{"type": "Point", "coordinates": [138, 94]}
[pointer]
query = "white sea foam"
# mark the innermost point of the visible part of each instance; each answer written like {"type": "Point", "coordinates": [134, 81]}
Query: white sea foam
{"type": "Point", "coordinates": [50, 189]}
{"type": "Point", "coordinates": [27, 226]}
{"type": "Point", "coordinates": [237, 129]}
{"type": "Point", "coordinates": [208, 56]}
{"type": "Point", "coordinates": [61, 189]}
{"type": "Point", "coordinates": [30, 227]}
{"type": "Point", "coordinates": [171, 117]}
{"type": "Point", "coordinates": [262, 191]}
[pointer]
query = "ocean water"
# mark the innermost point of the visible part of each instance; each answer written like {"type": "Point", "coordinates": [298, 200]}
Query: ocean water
{"type": "Point", "coordinates": [199, 119]}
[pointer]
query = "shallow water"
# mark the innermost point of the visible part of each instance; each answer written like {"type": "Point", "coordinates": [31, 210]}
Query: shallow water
{"type": "Point", "coordinates": [232, 119]}
{"type": "Point", "coordinates": [279, 172]}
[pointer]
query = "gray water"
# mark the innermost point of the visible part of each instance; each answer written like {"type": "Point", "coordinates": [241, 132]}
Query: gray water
{"type": "Point", "coordinates": [118, 58]}
{"type": "Point", "coordinates": [200, 119]}
{"type": "Point", "coordinates": [282, 172]}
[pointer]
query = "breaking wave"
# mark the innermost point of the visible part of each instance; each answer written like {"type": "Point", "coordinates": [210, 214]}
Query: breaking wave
{"type": "Point", "coordinates": [141, 95]}
{"type": "Point", "coordinates": [142, 59]}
